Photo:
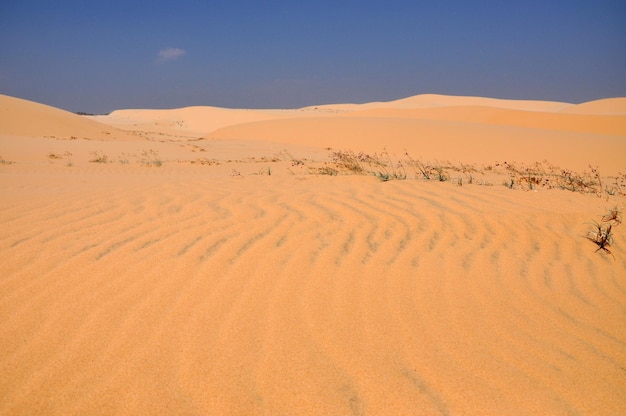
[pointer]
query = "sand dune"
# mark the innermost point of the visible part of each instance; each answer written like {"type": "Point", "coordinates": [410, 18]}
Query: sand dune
{"type": "Point", "coordinates": [26, 118]}
{"type": "Point", "coordinates": [608, 106]}
{"type": "Point", "coordinates": [614, 125]}
{"type": "Point", "coordinates": [232, 278]}
{"type": "Point", "coordinates": [442, 140]}
{"type": "Point", "coordinates": [195, 121]}
{"type": "Point", "coordinates": [435, 100]}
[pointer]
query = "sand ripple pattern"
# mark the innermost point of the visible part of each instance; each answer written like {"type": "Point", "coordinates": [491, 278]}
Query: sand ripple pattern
{"type": "Point", "coordinates": [315, 296]}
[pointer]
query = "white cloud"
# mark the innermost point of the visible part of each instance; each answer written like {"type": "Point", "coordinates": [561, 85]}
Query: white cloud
{"type": "Point", "coordinates": [171, 54]}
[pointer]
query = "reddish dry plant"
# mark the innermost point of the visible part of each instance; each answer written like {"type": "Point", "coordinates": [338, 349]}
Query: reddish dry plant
{"type": "Point", "coordinates": [601, 236]}
{"type": "Point", "coordinates": [602, 233]}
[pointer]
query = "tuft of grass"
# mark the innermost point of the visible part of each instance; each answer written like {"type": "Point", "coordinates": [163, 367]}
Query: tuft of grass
{"type": "Point", "coordinates": [150, 158]}
{"type": "Point", "coordinates": [614, 216]}
{"type": "Point", "coordinates": [437, 171]}
{"type": "Point", "coordinates": [99, 157]}
{"type": "Point", "coordinates": [419, 168]}
{"type": "Point", "coordinates": [347, 160]}
{"type": "Point", "coordinates": [123, 159]}
{"type": "Point", "coordinates": [576, 182]}
{"type": "Point", "coordinates": [323, 170]}
{"type": "Point", "coordinates": [66, 155]}
{"type": "Point", "coordinates": [5, 162]}
{"type": "Point", "coordinates": [387, 169]}
{"type": "Point", "coordinates": [601, 233]}
{"type": "Point", "coordinates": [266, 171]}
{"type": "Point", "coordinates": [380, 165]}
{"type": "Point", "coordinates": [440, 174]}
{"type": "Point", "coordinates": [602, 236]}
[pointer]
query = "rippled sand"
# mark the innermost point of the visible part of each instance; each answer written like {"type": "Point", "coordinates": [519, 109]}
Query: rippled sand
{"type": "Point", "coordinates": [220, 289]}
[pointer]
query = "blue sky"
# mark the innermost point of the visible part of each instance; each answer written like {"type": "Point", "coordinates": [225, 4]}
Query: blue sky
{"type": "Point", "coordinates": [99, 56]}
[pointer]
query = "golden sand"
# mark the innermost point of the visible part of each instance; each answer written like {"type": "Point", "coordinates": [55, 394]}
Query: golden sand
{"type": "Point", "coordinates": [207, 266]}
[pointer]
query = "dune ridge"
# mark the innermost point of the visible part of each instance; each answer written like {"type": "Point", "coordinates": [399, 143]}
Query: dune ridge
{"type": "Point", "coordinates": [211, 268]}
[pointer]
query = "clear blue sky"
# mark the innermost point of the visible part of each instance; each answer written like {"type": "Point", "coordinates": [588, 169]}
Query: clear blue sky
{"type": "Point", "coordinates": [96, 56]}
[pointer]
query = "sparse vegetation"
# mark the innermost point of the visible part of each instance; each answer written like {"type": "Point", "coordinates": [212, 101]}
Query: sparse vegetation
{"type": "Point", "coordinates": [204, 161]}
{"type": "Point", "coordinates": [323, 170]}
{"type": "Point", "coordinates": [380, 165]}
{"type": "Point", "coordinates": [348, 161]}
{"type": "Point", "coordinates": [99, 157]}
{"type": "Point", "coordinates": [5, 162]}
{"type": "Point", "coordinates": [539, 175]}
{"type": "Point", "coordinates": [66, 155]}
{"type": "Point", "coordinates": [123, 159]}
{"type": "Point", "coordinates": [387, 169]}
{"type": "Point", "coordinates": [547, 176]}
{"type": "Point", "coordinates": [150, 158]}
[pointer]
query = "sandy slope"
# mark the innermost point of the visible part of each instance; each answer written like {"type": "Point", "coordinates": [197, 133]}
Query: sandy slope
{"type": "Point", "coordinates": [608, 106]}
{"type": "Point", "coordinates": [191, 120]}
{"type": "Point", "coordinates": [467, 142]}
{"type": "Point", "coordinates": [26, 118]}
{"type": "Point", "coordinates": [207, 286]}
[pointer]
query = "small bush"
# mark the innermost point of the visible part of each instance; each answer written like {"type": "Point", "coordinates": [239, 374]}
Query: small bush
{"type": "Point", "coordinates": [150, 158]}
{"type": "Point", "coordinates": [99, 157]}
{"type": "Point", "coordinates": [324, 170]}
{"type": "Point", "coordinates": [5, 162]}
{"type": "Point", "coordinates": [602, 232]}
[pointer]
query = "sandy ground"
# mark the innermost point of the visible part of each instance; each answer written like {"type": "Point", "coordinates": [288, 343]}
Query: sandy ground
{"type": "Point", "coordinates": [203, 261]}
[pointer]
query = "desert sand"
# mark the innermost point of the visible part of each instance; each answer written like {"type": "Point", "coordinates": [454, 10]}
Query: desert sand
{"type": "Point", "coordinates": [210, 261]}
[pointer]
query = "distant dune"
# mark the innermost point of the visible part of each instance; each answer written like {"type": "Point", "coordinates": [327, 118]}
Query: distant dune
{"type": "Point", "coordinates": [608, 106]}
{"type": "Point", "coordinates": [467, 134]}
{"type": "Point", "coordinates": [210, 261]}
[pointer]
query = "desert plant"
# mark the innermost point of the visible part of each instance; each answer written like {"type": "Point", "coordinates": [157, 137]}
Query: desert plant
{"type": "Point", "coordinates": [387, 170]}
{"type": "Point", "coordinates": [265, 171]}
{"type": "Point", "coordinates": [68, 157]}
{"type": "Point", "coordinates": [123, 159]}
{"type": "Point", "coordinates": [468, 172]}
{"type": "Point", "coordinates": [324, 170]}
{"type": "Point", "coordinates": [601, 235]}
{"type": "Point", "coordinates": [99, 157]}
{"type": "Point", "coordinates": [614, 216]}
{"type": "Point", "coordinates": [5, 162]}
{"type": "Point", "coordinates": [602, 232]}
{"type": "Point", "coordinates": [440, 174]}
{"type": "Point", "coordinates": [150, 158]}
{"type": "Point", "coordinates": [619, 184]}
{"type": "Point", "coordinates": [595, 172]}
{"type": "Point", "coordinates": [576, 182]}
{"type": "Point", "coordinates": [419, 167]}
{"type": "Point", "coordinates": [349, 161]}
